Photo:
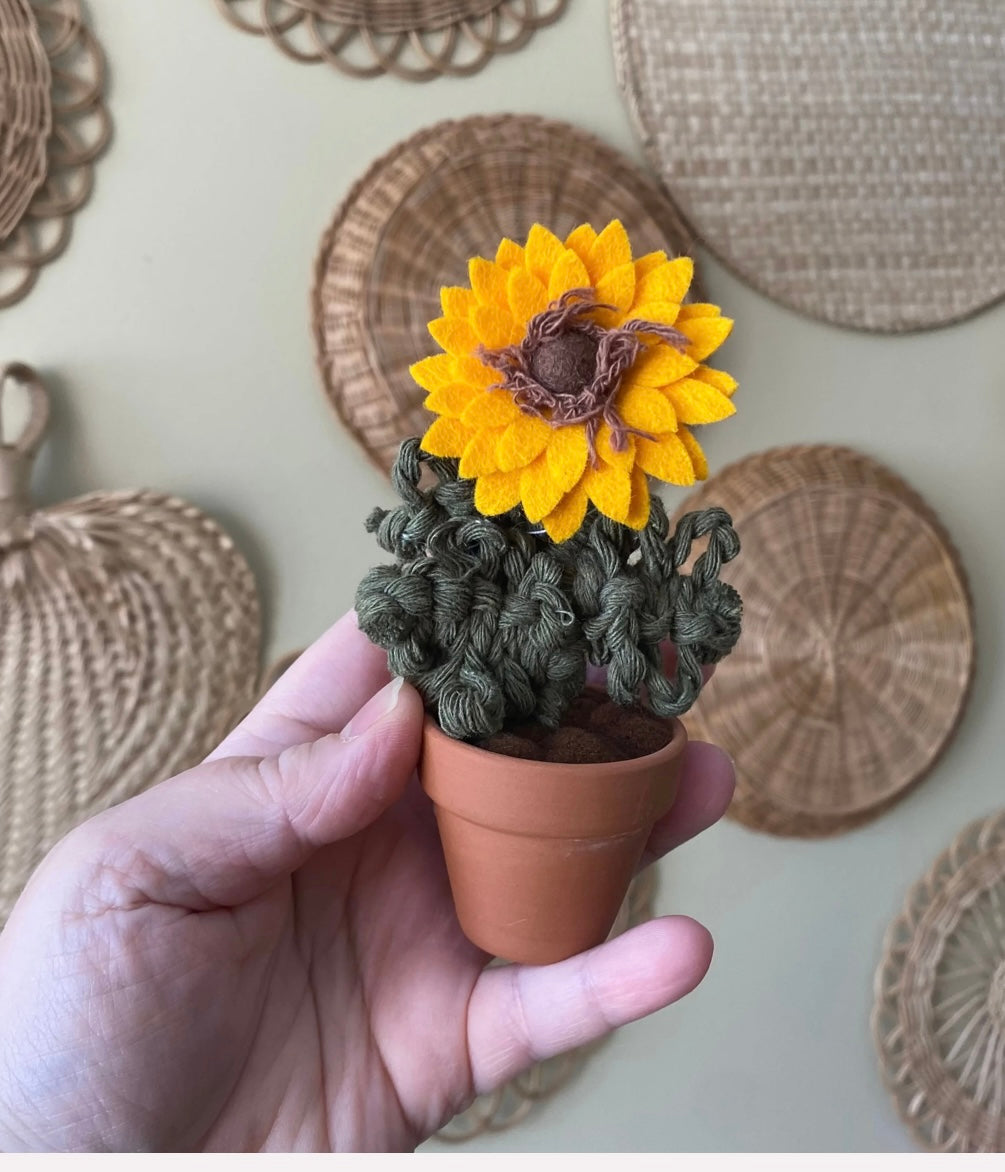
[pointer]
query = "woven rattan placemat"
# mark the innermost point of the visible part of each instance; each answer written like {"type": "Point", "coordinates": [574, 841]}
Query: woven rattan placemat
{"type": "Point", "coordinates": [415, 39]}
{"type": "Point", "coordinates": [129, 644]}
{"type": "Point", "coordinates": [847, 159]}
{"type": "Point", "coordinates": [409, 225]}
{"type": "Point", "coordinates": [939, 1014]}
{"type": "Point", "coordinates": [857, 650]}
{"type": "Point", "coordinates": [53, 125]}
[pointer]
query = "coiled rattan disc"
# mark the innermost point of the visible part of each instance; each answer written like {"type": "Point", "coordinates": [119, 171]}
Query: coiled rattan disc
{"type": "Point", "coordinates": [846, 158]}
{"type": "Point", "coordinates": [129, 645]}
{"type": "Point", "coordinates": [42, 196]}
{"type": "Point", "coordinates": [415, 39]}
{"type": "Point", "coordinates": [857, 649]}
{"type": "Point", "coordinates": [409, 225]}
{"type": "Point", "coordinates": [25, 110]}
{"type": "Point", "coordinates": [939, 1014]}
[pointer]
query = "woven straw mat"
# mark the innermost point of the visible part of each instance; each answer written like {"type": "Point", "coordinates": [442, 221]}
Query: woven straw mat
{"type": "Point", "coordinates": [939, 1014]}
{"type": "Point", "coordinates": [129, 636]}
{"type": "Point", "coordinates": [857, 650]}
{"type": "Point", "coordinates": [414, 39]}
{"type": "Point", "coordinates": [847, 159]}
{"type": "Point", "coordinates": [53, 125]}
{"type": "Point", "coordinates": [504, 1108]}
{"type": "Point", "coordinates": [410, 225]}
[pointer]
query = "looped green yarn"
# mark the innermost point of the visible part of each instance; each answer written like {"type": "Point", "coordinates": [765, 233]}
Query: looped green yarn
{"type": "Point", "coordinates": [494, 623]}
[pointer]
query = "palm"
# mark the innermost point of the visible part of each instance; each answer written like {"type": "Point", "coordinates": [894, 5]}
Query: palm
{"type": "Point", "coordinates": [263, 953]}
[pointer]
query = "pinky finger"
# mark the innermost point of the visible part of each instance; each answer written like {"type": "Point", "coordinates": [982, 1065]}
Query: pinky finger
{"type": "Point", "coordinates": [520, 1015]}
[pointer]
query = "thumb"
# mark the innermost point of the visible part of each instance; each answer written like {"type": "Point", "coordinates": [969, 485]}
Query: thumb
{"type": "Point", "coordinates": [227, 830]}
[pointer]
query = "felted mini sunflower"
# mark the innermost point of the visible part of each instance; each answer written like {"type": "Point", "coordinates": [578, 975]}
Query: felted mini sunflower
{"type": "Point", "coordinates": [571, 373]}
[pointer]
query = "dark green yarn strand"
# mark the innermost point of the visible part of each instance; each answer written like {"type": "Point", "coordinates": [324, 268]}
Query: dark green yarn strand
{"type": "Point", "coordinates": [494, 624]}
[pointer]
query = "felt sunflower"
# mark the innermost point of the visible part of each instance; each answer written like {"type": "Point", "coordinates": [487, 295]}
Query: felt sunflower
{"type": "Point", "coordinates": [571, 373]}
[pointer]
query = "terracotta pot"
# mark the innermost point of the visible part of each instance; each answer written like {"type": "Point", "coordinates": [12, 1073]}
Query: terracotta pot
{"type": "Point", "coordinates": [540, 855]}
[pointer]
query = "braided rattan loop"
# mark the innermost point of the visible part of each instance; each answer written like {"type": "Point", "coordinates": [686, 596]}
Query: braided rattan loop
{"type": "Point", "coordinates": [76, 134]}
{"type": "Point", "coordinates": [938, 1019]}
{"type": "Point", "coordinates": [416, 40]}
{"type": "Point", "coordinates": [858, 647]}
{"type": "Point", "coordinates": [408, 226]}
{"type": "Point", "coordinates": [25, 111]}
{"type": "Point", "coordinates": [17, 456]}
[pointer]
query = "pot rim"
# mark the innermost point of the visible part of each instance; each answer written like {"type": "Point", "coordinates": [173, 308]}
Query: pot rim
{"type": "Point", "coordinates": [465, 749]}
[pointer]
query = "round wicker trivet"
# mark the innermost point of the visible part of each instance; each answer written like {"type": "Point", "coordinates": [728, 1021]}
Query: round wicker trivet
{"type": "Point", "coordinates": [129, 634]}
{"type": "Point", "coordinates": [409, 225]}
{"type": "Point", "coordinates": [35, 224]}
{"type": "Point", "coordinates": [25, 110]}
{"type": "Point", "coordinates": [845, 158]}
{"type": "Point", "coordinates": [415, 39]}
{"type": "Point", "coordinates": [513, 1102]}
{"type": "Point", "coordinates": [939, 1014]}
{"type": "Point", "coordinates": [857, 649]}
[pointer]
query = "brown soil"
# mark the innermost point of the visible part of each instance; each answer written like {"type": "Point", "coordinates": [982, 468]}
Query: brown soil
{"type": "Point", "coordinates": [594, 730]}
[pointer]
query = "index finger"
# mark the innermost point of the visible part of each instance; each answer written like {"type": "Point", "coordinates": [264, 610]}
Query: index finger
{"type": "Point", "coordinates": [317, 695]}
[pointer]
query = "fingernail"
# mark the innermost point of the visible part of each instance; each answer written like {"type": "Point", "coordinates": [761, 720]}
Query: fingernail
{"type": "Point", "coordinates": [377, 706]}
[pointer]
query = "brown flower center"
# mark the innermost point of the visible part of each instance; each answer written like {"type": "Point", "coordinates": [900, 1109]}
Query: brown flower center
{"type": "Point", "coordinates": [565, 365]}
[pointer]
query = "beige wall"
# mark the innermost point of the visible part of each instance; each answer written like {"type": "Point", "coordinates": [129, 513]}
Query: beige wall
{"type": "Point", "coordinates": [175, 335]}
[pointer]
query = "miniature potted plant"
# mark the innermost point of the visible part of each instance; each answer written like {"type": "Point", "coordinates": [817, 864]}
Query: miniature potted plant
{"type": "Point", "coordinates": [532, 560]}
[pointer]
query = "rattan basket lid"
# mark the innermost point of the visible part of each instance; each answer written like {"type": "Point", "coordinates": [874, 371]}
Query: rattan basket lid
{"type": "Point", "coordinates": [409, 225]}
{"type": "Point", "coordinates": [845, 158]}
{"type": "Point", "coordinates": [857, 649]}
{"type": "Point", "coordinates": [939, 1014]}
{"type": "Point", "coordinates": [53, 126]}
{"type": "Point", "coordinates": [414, 39]}
{"type": "Point", "coordinates": [129, 644]}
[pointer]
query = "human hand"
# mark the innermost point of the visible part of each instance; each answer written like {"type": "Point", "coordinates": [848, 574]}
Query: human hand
{"type": "Point", "coordinates": [262, 953]}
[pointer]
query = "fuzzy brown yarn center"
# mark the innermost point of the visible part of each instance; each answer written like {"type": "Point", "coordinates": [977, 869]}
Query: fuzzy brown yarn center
{"type": "Point", "coordinates": [566, 364]}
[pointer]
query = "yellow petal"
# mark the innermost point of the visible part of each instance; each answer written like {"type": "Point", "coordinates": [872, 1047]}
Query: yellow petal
{"type": "Point", "coordinates": [616, 288]}
{"type": "Point", "coordinates": [697, 402]}
{"type": "Point", "coordinates": [509, 253]}
{"type": "Point", "coordinates": [474, 372]}
{"type": "Point", "coordinates": [568, 452]}
{"type": "Point", "coordinates": [706, 334]}
{"type": "Point", "coordinates": [698, 309]}
{"type": "Point", "coordinates": [695, 452]}
{"type": "Point", "coordinates": [638, 509]}
{"type": "Point", "coordinates": [434, 372]}
{"type": "Point", "coordinates": [480, 456]}
{"type": "Point", "coordinates": [664, 313]}
{"type": "Point", "coordinates": [446, 437]}
{"type": "Point", "coordinates": [624, 458]}
{"type": "Point", "coordinates": [566, 519]}
{"type": "Point", "coordinates": [666, 458]}
{"type": "Point", "coordinates": [538, 492]}
{"type": "Point", "coordinates": [491, 409]}
{"type": "Point", "coordinates": [610, 489]}
{"type": "Point", "coordinates": [525, 294]}
{"type": "Point", "coordinates": [495, 327]}
{"type": "Point", "coordinates": [542, 253]}
{"type": "Point", "coordinates": [569, 273]}
{"type": "Point", "coordinates": [498, 492]}
{"type": "Point", "coordinates": [611, 249]}
{"type": "Point", "coordinates": [454, 334]}
{"type": "Point", "coordinates": [717, 378]}
{"type": "Point", "coordinates": [450, 400]}
{"type": "Point", "coordinates": [660, 364]}
{"type": "Point", "coordinates": [646, 409]}
{"type": "Point", "coordinates": [668, 282]}
{"type": "Point", "coordinates": [488, 281]}
{"type": "Point", "coordinates": [646, 264]}
{"type": "Point", "coordinates": [581, 239]}
{"type": "Point", "coordinates": [456, 301]}
{"type": "Point", "coordinates": [522, 442]}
